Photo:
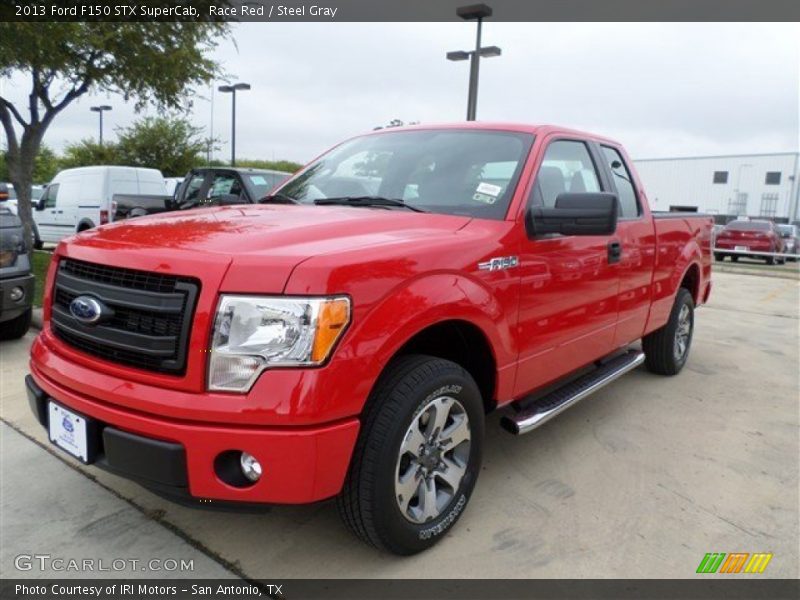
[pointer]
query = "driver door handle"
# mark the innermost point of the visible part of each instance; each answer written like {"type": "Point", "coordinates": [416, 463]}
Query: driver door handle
{"type": "Point", "coordinates": [614, 251]}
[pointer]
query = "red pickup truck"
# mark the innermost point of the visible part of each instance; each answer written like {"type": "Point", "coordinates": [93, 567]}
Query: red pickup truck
{"type": "Point", "coordinates": [347, 336]}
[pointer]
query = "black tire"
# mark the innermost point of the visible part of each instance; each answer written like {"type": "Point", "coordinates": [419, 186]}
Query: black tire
{"type": "Point", "coordinates": [660, 347]}
{"type": "Point", "coordinates": [771, 260]}
{"type": "Point", "coordinates": [369, 504]}
{"type": "Point", "coordinates": [15, 328]}
{"type": "Point", "coordinates": [37, 242]}
{"type": "Point", "coordinates": [719, 257]}
{"type": "Point", "coordinates": [734, 259]}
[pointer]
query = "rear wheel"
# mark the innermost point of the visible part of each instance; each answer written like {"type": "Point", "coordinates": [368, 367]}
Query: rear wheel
{"type": "Point", "coordinates": [719, 257]}
{"type": "Point", "coordinates": [734, 258]}
{"type": "Point", "coordinates": [417, 457]}
{"type": "Point", "coordinates": [667, 348]}
{"type": "Point", "coordinates": [15, 328]}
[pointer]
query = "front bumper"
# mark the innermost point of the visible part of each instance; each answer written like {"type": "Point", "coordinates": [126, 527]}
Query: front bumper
{"type": "Point", "coordinates": [10, 309]}
{"type": "Point", "coordinates": [177, 458]}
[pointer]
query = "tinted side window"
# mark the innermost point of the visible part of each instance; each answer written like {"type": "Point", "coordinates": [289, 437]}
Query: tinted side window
{"type": "Point", "coordinates": [629, 206]}
{"type": "Point", "coordinates": [567, 167]}
{"type": "Point", "coordinates": [224, 185]}
{"type": "Point", "coordinates": [193, 187]}
{"type": "Point", "coordinates": [50, 196]}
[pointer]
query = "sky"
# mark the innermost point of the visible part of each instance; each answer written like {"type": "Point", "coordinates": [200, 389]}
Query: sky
{"type": "Point", "coordinates": [662, 90]}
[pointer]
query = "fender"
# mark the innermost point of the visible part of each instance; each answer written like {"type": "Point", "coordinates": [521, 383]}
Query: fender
{"type": "Point", "coordinates": [426, 301]}
{"type": "Point", "coordinates": [665, 290]}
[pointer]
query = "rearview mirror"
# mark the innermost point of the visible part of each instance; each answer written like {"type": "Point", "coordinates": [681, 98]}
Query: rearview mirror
{"type": "Point", "coordinates": [593, 213]}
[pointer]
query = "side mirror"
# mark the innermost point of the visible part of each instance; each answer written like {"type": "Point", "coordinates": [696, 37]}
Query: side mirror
{"type": "Point", "coordinates": [39, 204]}
{"type": "Point", "coordinates": [229, 199]}
{"type": "Point", "coordinates": [593, 213]}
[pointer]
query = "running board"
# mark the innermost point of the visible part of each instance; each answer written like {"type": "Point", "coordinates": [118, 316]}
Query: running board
{"type": "Point", "coordinates": [573, 392]}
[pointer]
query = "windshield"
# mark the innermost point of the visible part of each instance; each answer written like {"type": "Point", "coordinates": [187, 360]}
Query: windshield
{"type": "Point", "coordinates": [458, 172]}
{"type": "Point", "coordinates": [263, 182]}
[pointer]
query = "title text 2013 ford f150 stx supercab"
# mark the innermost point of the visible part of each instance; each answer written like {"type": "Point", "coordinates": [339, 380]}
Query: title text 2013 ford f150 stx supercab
{"type": "Point", "coordinates": [346, 337]}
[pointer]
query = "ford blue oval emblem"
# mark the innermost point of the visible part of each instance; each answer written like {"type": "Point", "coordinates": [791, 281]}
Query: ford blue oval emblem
{"type": "Point", "coordinates": [67, 425]}
{"type": "Point", "coordinates": [86, 309]}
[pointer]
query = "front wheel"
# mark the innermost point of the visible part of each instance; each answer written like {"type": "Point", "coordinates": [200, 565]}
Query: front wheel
{"type": "Point", "coordinates": [417, 457]}
{"type": "Point", "coordinates": [667, 348]}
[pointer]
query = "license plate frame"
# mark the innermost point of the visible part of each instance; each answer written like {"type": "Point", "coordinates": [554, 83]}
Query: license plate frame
{"type": "Point", "coordinates": [72, 432]}
{"type": "Point", "coordinates": [741, 248]}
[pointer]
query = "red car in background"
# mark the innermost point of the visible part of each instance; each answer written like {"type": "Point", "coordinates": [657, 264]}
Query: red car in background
{"type": "Point", "coordinates": [742, 237]}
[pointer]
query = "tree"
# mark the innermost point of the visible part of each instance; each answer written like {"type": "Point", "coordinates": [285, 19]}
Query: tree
{"type": "Point", "coordinates": [88, 152]}
{"type": "Point", "coordinates": [172, 145]}
{"type": "Point", "coordinates": [286, 166]}
{"type": "Point", "coordinates": [45, 167]}
{"type": "Point", "coordinates": [151, 63]}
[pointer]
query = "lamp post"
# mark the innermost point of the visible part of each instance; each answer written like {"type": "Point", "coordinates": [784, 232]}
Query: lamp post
{"type": "Point", "coordinates": [232, 89]}
{"type": "Point", "coordinates": [478, 12]}
{"type": "Point", "coordinates": [100, 110]}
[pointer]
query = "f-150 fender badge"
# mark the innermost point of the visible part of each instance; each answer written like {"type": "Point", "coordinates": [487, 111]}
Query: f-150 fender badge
{"type": "Point", "coordinates": [499, 262]}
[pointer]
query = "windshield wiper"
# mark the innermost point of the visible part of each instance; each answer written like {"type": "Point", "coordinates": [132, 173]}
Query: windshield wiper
{"type": "Point", "coordinates": [367, 201]}
{"type": "Point", "coordinates": [277, 199]}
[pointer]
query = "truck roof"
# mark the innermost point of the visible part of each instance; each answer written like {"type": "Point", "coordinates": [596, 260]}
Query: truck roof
{"type": "Point", "coordinates": [540, 129]}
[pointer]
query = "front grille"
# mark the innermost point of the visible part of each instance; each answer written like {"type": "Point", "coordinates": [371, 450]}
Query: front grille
{"type": "Point", "coordinates": [148, 319]}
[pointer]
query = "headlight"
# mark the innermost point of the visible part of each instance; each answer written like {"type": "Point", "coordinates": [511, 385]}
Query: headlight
{"type": "Point", "coordinates": [253, 333]}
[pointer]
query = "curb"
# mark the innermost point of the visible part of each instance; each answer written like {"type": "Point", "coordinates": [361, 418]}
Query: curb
{"type": "Point", "coordinates": [783, 274]}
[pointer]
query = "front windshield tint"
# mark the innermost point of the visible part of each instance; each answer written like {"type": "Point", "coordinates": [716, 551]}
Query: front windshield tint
{"type": "Point", "coordinates": [458, 172]}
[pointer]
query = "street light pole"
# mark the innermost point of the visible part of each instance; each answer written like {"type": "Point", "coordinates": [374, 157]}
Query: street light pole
{"type": "Point", "coordinates": [474, 66]}
{"type": "Point", "coordinates": [232, 89]}
{"type": "Point", "coordinates": [477, 12]}
{"type": "Point", "coordinates": [100, 110]}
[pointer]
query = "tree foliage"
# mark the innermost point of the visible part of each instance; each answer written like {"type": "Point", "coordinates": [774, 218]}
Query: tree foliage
{"type": "Point", "coordinates": [149, 63]}
{"type": "Point", "coordinates": [172, 145]}
{"type": "Point", "coordinates": [45, 167]}
{"type": "Point", "coordinates": [287, 166]}
{"type": "Point", "coordinates": [88, 152]}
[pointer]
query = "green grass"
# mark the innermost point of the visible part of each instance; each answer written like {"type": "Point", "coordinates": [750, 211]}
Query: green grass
{"type": "Point", "coordinates": [40, 262]}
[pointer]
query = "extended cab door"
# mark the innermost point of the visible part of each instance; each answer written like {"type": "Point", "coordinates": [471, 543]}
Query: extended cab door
{"type": "Point", "coordinates": [637, 239]}
{"type": "Point", "coordinates": [569, 284]}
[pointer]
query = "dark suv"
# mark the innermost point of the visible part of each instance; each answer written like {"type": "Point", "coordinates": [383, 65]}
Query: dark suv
{"type": "Point", "coordinates": [16, 280]}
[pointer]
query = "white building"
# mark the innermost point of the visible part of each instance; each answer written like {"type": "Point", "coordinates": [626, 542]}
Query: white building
{"type": "Point", "coordinates": [752, 185]}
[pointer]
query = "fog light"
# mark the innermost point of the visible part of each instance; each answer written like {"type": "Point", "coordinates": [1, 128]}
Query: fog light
{"type": "Point", "coordinates": [251, 468]}
{"type": "Point", "coordinates": [16, 294]}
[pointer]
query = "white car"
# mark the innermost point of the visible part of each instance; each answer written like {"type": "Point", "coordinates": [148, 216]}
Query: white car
{"type": "Point", "coordinates": [79, 199]}
{"type": "Point", "coordinates": [8, 196]}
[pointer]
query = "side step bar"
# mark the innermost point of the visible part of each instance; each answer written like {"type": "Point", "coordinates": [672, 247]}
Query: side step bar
{"type": "Point", "coordinates": [561, 399]}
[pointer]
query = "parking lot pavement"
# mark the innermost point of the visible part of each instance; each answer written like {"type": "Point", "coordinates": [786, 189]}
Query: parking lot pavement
{"type": "Point", "coordinates": [51, 513]}
{"type": "Point", "coordinates": [640, 480]}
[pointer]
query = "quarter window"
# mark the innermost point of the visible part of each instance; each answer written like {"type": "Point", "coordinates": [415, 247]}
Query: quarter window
{"type": "Point", "coordinates": [623, 180]}
{"type": "Point", "coordinates": [567, 167]}
{"type": "Point", "coordinates": [773, 178]}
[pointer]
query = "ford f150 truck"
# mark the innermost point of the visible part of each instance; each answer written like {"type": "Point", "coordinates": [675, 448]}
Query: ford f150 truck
{"type": "Point", "coordinates": [347, 336]}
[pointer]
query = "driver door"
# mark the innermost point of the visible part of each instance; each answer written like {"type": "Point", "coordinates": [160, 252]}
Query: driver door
{"type": "Point", "coordinates": [568, 283]}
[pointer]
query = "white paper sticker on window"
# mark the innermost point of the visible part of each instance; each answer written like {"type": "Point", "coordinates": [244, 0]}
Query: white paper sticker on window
{"type": "Point", "coordinates": [488, 188]}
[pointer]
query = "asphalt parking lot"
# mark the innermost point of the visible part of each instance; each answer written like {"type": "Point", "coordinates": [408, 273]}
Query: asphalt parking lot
{"type": "Point", "coordinates": [640, 480]}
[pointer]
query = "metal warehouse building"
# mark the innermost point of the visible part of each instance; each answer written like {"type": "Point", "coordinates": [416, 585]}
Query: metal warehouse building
{"type": "Point", "coordinates": [751, 185]}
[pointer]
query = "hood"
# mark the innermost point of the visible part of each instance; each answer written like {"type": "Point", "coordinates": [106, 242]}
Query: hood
{"type": "Point", "coordinates": [275, 237]}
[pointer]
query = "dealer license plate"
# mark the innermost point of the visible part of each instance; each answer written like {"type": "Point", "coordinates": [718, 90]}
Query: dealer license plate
{"type": "Point", "coordinates": [742, 248]}
{"type": "Point", "coordinates": [68, 431]}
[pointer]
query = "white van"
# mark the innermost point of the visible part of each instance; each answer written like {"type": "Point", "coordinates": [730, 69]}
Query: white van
{"type": "Point", "coordinates": [79, 199]}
